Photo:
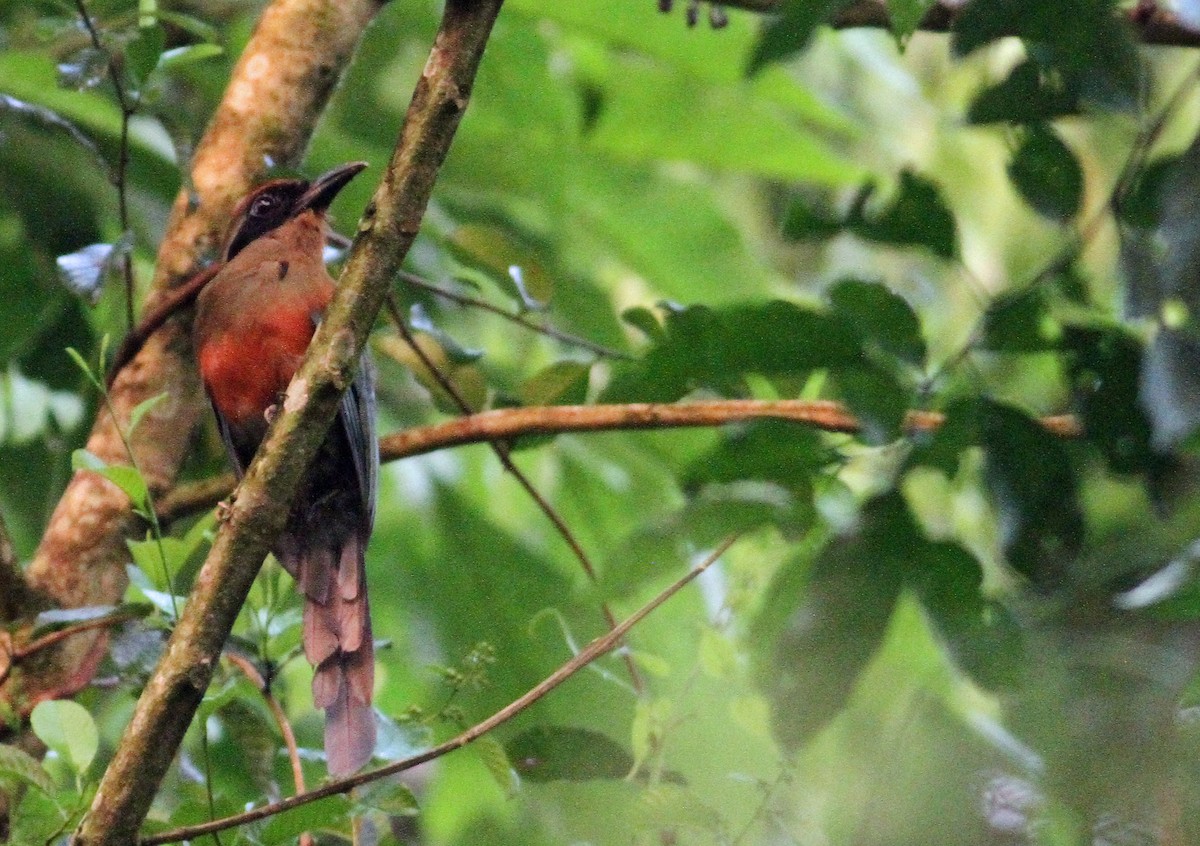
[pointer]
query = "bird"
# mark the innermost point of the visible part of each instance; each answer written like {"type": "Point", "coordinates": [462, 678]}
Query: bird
{"type": "Point", "coordinates": [254, 321]}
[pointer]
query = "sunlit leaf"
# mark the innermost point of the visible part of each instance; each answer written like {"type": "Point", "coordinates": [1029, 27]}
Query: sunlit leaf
{"type": "Point", "coordinates": [127, 478]}
{"type": "Point", "coordinates": [68, 729]}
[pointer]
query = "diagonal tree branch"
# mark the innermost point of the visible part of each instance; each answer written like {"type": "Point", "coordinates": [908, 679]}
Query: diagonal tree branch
{"type": "Point", "coordinates": [257, 515]}
{"type": "Point", "coordinates": [277, 91]}
{"type": "Point", "coordinates": [596, 649]}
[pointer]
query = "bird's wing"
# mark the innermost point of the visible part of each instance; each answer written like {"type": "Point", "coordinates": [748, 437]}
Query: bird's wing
{"type": "Point", "coordinates": [357, 416]}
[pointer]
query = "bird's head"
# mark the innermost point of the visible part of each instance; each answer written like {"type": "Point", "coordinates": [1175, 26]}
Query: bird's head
{"type": "Point", "coordinates": [274, 203]}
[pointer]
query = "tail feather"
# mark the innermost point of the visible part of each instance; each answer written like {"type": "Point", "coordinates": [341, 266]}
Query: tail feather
{"type": "Point", "coordinates": [338, 643]}
{"type": "Point", "coordinates": [349, 730]}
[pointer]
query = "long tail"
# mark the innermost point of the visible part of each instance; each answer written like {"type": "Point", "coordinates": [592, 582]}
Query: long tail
{"type": "Point", "coordinates": [337, 642]}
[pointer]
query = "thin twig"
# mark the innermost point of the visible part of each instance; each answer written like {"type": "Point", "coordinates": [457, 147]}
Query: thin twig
{"type": "Point", "coordinates": [56, 637]}
{"type": "Point", "coordinates": [504, 454]}
{"type": "Point", "coordinates": [128, 110]}
{"type": "Point", "coordinates": [285, 727]}
{"type": "Point", "coordinates": [473, 302]}
{"type": "Point", "coordinates": [597, 648]}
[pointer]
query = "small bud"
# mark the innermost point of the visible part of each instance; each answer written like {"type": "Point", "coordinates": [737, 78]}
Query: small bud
{"type": "Point", "coordinates": [693, 13]}
{"type": "Point", "coordinates": [664, 6]}
{"type": "Point", "coordinates": [717, 19]}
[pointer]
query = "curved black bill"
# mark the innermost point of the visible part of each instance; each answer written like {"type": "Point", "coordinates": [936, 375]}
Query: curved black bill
{"type": "Point", "coordinates": [326, 186]}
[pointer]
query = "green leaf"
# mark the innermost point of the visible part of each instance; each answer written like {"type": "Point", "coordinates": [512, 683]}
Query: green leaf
{"type": "Point", "coordinates": [804, 222]}
{"type": "Point", "coordinates": [1095, 53]}
{"type": "Point", "coordinates": [143, 53]}
{"type": "Point", "coordinates": [141, 409]}
{"type": "Point", "coordinates": [789, 33]}
{"type": "Point", "coordinates": [495, 759]}
{"type": "Point", "coordinates": [178, 57]}
{"type": "Point", "coordinates": [1029, 94]}
{"type": "Point", "coordinates": [323, 815]}
{"type": "Point", "coordinates": [562, 383]}
{"type": "Point", "coordinates": [883, 318]}
{"type": "Point", "coordinates": [916, 216]}
{"type": "Point", "coordinates": [788, 454]}
{"type": "Point", "coordinates": [17, 764]}
{"type": "Point", "coordinates": [981, 636]}
{"type": "Point", "coordinates": [877, 400]}
{"type": "Point", "coordinates": [812, 661]}
{"type": "Point", "coordinates": [127, 478]}
{"type": "Point", "coordinates": [906, 16]}
{"type": "Point", "coordinates": [1046, 174]}
{"type": "Point", "coordinates": [566, 753]}
{"type": "Point", "coordinates": [1033, 484]}
{"type": "Point", "coordinates": [388, 796]}
{"type": "Point", "coordinates": [68, 729]}
{"type": "Point", "coordinates": [1020, 322]}
{"type": "Point", "coordinates": [714, 349]}
{"type": "Point", "coordinates": [1105, 366]}
{"type": "Point", "coordinates": [642, 318]}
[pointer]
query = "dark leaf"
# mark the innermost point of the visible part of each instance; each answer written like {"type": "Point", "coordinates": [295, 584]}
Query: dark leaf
{"type": "Point", "coordinates": [981, 636]}
{"type": "Point", "coordinates": [766, 450]}
{"type": "Point", "coordinates": [1020, 322]}
{"type": "Point", "coordinates": [1141, 205]}
{"type": "Point", "coordinates": [48, 117]}
{"type": "Point", "coordinates": [917, 216]}
{"type": "Point", "coordinates": [814, 658]}
{"type": "Point", "coordinates": [1046, 174]}
{"type": "Point", "coordinates": [1105, 367]}
{"type": "Point", "coordinates": [1095, 53]}
{"type": "Point", "coordinates": [882, 318]}
{"type": "Point", "coordinates": [712, 349]}
{"type": "Point", "coordinates": [789, 33]}
{"type": "Point", "coordinates": [877, 400]}
{"type": "Point", "coordinates": [1033, 484]}
{"type": "Point", "coordinates": [566, 753]}
{"type": "Point", "coordinates": [806, 223]}
{"type": "Point", "coordinates": [943, 447]}
{"type": "Point", "coordinates": [1028, 95]}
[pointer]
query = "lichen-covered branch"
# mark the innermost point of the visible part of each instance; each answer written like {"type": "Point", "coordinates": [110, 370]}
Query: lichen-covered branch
{"type": "Point", "coordinates": [257, 515]}
{"type": "Point", "coordinates": [277, 92]}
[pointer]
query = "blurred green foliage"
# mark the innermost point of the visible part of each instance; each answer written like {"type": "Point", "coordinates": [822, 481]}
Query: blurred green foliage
{"type": "Point", "coordinates": [980, 634]}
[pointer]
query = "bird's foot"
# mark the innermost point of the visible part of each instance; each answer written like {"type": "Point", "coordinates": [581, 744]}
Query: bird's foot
{"type": "Point", "coordinates": [271, 412]}
{"type": "Point", "coordinates": [225, 509]}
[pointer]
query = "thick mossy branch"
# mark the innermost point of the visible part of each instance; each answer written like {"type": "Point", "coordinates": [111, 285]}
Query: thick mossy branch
{"type": "Point", "coordinates": [259, 511]}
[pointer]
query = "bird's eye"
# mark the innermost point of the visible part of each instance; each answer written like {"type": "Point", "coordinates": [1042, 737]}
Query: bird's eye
{"type": "Point", "coordinates": [263, 206]}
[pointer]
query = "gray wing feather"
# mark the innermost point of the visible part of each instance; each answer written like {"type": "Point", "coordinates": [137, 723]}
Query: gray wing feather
{"type": "Point", "coordinates": [357, 417]}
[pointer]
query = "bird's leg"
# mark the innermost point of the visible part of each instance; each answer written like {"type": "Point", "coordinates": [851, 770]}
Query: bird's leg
{"type": "Point", "coordinates": [272, 410]}
{"type": "Point", "coordinates": [225, 508]}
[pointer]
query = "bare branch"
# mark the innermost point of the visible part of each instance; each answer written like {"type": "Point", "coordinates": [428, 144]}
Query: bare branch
{"type": "Point", "coordinates": [507, 423]}
{"type": "Point", "coordinates": [1152, 25]}
{"type": "Point", "coordinates": [257, 515]}
{"type": "Point", "coordinates": [597, 648]}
